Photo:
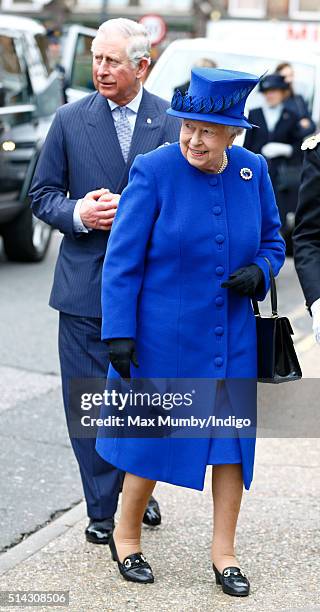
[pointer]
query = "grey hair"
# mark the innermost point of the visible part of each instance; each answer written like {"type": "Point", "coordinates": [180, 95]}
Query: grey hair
{"type": "Point", "coordinates": [234, 130]}
{"type": "Point", "coordinates": [139, 45]}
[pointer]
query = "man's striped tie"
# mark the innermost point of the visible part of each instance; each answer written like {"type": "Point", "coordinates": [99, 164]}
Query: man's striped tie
{"type": "Point", "coordinates": [123, 130]}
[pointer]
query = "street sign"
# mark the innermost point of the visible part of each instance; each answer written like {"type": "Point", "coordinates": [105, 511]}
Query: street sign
{"type": "Point", "coordinates": [156, 27]}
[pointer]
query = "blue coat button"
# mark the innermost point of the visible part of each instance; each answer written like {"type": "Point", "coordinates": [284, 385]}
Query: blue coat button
{"type": "Point", "coordinates": [218, 361]}
{"type": "Point", "coordinates": [219, 330]}
{"type": "Point", "coordinates": [213, 181]}
{"type": "Point", "coordinates": [219, 238]}
{"type": "Point", "coordinates": [219, 300]}
{"type": "Point", "coordinates": [217, 210]}
{"type": "Point", "coordinates": [219, 271]}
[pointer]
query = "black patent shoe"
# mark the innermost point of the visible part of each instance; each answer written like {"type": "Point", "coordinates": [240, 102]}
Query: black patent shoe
{"type": "Point", "coordinates": [99, 532]}
{"type": "Point", "coordinates": [134, 568]}
{"type": "Point", "coordinates": [233, 581]}
{"type": "Point", "coordinates": [152, 515]}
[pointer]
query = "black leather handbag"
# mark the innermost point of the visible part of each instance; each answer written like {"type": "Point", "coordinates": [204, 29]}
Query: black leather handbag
{"type": "Point", "coordinates": [277, 359]}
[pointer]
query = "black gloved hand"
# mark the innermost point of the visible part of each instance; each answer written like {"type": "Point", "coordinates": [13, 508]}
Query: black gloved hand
{"type": "Point", "coordinates": [122, 351]}
{"type": "Point", "coordinates": [245, 280]}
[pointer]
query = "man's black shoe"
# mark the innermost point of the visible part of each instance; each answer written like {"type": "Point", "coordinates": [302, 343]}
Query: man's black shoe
{"type": "Point", "coordinates": [99, 532]}
{"type": "Point", "coordinates": [152, 515]}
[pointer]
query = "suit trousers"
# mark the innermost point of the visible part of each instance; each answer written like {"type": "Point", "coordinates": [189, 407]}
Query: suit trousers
{"type": "Point", "coordinates": [83, 355]}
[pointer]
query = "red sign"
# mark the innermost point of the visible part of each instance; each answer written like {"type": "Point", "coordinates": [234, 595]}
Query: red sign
{"type": "Point", "coordinates": [156, 28]}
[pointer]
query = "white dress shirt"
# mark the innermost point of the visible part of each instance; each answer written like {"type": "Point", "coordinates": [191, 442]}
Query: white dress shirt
{"type": "Point", "coordinates": [132, 111]}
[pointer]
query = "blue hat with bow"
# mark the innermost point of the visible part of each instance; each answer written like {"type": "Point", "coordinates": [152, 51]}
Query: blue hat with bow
{"type": "Point", "coordinates": [216, 96]}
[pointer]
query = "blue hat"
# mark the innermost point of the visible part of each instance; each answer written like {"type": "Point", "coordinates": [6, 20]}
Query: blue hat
{"type": "Point", "coordinates": [273, 81]}
{"type": "Point", "coordinates": [215, 95]}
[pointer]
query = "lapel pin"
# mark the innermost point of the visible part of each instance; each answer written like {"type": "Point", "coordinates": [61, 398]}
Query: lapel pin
{"type": "Point", "coordinates": [149, 120]}
{"type": "Point", "coordinates": [246, 174]}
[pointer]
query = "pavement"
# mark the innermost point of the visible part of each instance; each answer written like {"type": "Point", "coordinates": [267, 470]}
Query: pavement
{"type": "Point", "coordinates": [278, 544]}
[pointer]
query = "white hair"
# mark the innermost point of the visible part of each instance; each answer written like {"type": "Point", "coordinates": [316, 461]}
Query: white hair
{"type": "Point", "coordinates": [234, 130]}
{"type": "Point", "coordinates": [138, 39]}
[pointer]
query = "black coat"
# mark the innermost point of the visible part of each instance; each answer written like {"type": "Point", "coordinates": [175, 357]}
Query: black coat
{"type": "Point", "coordinates": [287, 130]}
{"type": "Point", "coordinates": [306, 237]}
{"type": "Point", "coordinates": [298, 105]}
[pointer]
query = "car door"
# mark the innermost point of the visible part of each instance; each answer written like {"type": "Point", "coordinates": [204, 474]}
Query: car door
{"type": "Point", "coordinates": [77, 62]}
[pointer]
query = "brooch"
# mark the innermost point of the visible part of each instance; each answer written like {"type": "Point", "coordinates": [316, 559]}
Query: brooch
{"type": "Point", "coordinates": [246, 174]}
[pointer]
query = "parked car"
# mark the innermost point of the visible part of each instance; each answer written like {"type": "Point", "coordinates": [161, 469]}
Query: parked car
{"type": "Point", "coordinates": [30, 92]}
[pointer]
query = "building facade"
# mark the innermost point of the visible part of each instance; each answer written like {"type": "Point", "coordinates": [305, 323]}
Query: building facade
{"type": "Point", "coordinates": [187, 17]}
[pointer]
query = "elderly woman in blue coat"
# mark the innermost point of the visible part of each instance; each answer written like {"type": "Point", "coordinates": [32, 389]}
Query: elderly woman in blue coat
{"type": "Point", "coordinates": [188, 249]}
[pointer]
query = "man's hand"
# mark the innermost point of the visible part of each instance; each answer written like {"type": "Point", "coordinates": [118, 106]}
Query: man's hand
{"type": "Point", "coordinates": [122, 352]}
{"type": "Point", "coordinates": [316, 327]}
{"type": "Point", "coordinates": [315, 309]}
{"type": "Point", "coordinates": [98, 209]}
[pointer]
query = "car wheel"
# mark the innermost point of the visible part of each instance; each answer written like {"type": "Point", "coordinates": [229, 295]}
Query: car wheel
{"type": "Point", "coordinates": [26, 238]}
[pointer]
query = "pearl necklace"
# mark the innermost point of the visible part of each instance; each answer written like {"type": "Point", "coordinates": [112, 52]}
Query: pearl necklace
{"type": "Point", "coordinates": [223, 164]}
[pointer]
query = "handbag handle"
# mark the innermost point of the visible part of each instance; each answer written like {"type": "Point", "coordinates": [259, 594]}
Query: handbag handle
{"type": "Point", "coordinates": [273, 291]}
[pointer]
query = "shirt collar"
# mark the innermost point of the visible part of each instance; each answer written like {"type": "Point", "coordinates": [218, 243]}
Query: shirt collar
{"type": "Point", "coordinates": [133, 105]}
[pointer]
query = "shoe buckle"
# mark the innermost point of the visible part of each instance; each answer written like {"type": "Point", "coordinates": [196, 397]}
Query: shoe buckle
{"type": "Point", "coordinates": [226, 573]}
{"type": "Point", "coordinates": [127, 563]}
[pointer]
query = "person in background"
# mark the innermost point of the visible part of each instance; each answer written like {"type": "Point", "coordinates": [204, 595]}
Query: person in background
{"type": "Point", "coordinates": [203, 62]}
{"type": "Point", "coordinates": [293, 101]}
{"type": "Point", "coordinates": [83, 167]}
{"type": "Point", "coordinates": [279, 139]}
{"type": "Point", "coordinates": [306, 236]}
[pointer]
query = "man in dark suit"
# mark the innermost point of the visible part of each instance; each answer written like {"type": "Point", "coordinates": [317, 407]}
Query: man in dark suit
{"type": "Point", "coordinates": [83, 166]}
{"type": "Point", "coordinates": [306, 236]}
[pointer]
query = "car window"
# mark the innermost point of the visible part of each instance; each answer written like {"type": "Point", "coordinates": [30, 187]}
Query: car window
{"type": "Point", "coordinates": [14, 84]}
{"type": "Point", "coordinates": [43, 44]}
{"type": "Point", "coordinates": [176, 72]}
{"type": "Point", "coordinates": [81, 77]}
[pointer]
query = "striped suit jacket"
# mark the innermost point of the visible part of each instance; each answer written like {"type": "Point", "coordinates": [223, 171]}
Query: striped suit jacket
{"type": "Point", "coordinates": [82, 153]}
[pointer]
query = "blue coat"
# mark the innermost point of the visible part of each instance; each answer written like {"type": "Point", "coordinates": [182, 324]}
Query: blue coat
{"type": "Point", "coordinates": [177, 236]}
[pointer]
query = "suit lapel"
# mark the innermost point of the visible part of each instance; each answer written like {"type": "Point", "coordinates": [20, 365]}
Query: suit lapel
{"type": "Point", "coordinates": [147, 133]}
{"type": "Point", "coordinates": [104, 141]}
